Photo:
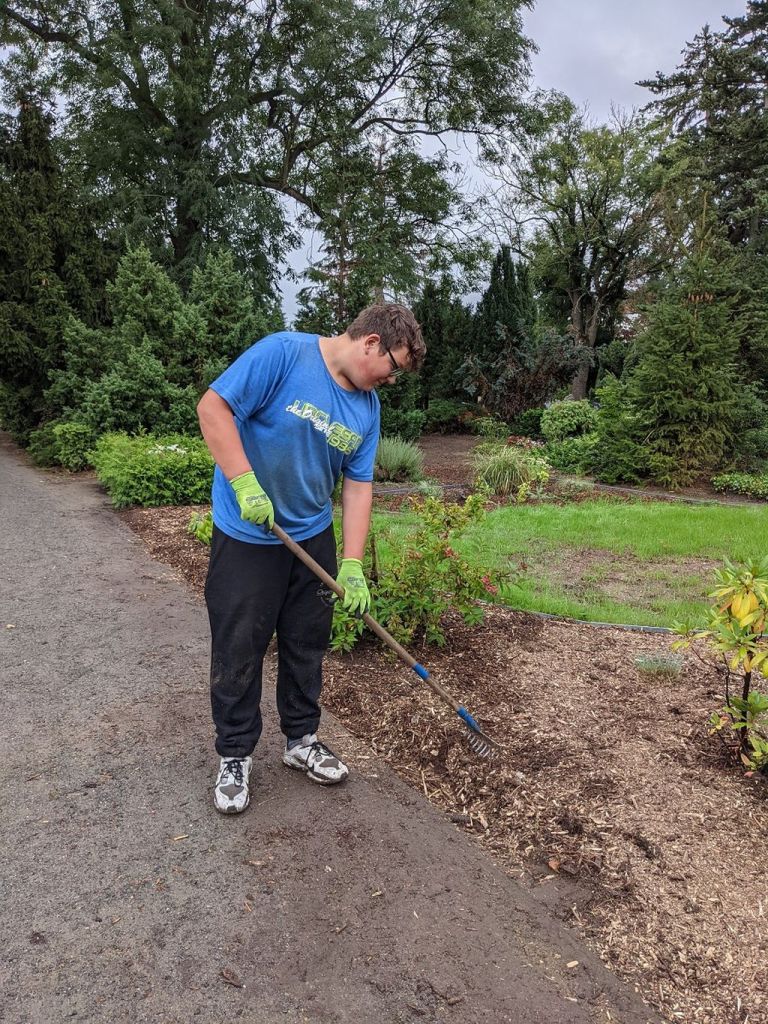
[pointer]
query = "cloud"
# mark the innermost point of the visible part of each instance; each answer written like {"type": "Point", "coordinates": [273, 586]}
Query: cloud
{"type": "Point", "coordinates": [597, 54]}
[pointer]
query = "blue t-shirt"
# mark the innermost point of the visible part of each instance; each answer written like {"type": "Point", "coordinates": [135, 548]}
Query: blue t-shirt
{"type": "Point", "coordinates": [301, 431]}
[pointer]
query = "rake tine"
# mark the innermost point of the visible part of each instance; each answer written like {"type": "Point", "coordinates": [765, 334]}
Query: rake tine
{"type": "Point", "coordinates": [480, 742]}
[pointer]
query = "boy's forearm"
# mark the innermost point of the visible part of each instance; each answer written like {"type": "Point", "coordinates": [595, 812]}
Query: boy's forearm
{"type": "Point", "coordinates": [218, 427]}
{"type": "Point", "coordinates": [356, 503]}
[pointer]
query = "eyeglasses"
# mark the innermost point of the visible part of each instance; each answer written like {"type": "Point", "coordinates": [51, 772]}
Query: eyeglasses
{"type": "Point", "coordinates": [397, 369]}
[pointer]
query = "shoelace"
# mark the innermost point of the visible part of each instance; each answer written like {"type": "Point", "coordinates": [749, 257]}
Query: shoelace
{"type": "Point", "coordinates": [320, 748]}
{"type": "Point", "coordinates": [234, 767]}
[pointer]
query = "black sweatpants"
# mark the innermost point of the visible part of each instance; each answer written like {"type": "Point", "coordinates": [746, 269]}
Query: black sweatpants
{"type": "Point", "coordinates": [253, 591]}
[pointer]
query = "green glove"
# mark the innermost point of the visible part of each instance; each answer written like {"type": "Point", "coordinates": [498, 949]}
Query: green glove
{"type": "Point", "coordinates": [357, 597]}
{"type": "Point", "coordinates": [255, 506]}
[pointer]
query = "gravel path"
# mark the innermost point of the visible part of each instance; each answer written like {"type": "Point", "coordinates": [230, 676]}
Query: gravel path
{"type": "Point", "coordinates": [125, 897]}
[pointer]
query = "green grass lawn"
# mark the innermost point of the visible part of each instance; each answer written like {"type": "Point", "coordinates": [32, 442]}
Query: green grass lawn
{"type": "Point", "coordinates": [638, 562]}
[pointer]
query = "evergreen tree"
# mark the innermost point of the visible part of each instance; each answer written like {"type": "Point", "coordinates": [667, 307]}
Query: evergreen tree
{"type": "Point", "coordinates": [752, 273]}
{"type": "Point", "coordinates": [144, 303]}
{"type": "Point", "coordinates": [148, 369]}
{"type": "Point", "coordinates": [233, 319]}
{"type": "Point", "coordinates": [446, 324]}
{"type": "Point", "coordinates": [685, 393]}
{"type": "Point", "coordinates": [33, 297]}
{"type": "Point", "coordinates": [513, 365]}
{"type": "Point", "coordinates": [716, 104]}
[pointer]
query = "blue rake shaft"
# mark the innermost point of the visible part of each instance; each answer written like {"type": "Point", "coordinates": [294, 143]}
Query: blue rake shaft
{"type": "Point", "coordinates": [478, 740]}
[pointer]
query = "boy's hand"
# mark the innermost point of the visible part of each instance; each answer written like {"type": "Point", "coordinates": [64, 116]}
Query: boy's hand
{"type": "Point", "coordinates": [255, 506]}
{"type": "Point", "coordinates": [357, 597]}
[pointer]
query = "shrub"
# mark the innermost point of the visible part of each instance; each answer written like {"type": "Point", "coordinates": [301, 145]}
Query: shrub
{"type": "Point", "coordinates": [568, 419]}
{"type": "Point", "coordinates": [397, 459]}
{"type": "Point", "coordinates": [528, 423]}
{"type": "Point", "coordinates": [507, 469]}
{"type": "Point", "coordinates": [750, 484]}
{"type": "Point", "coordinates": [618, 457]}
{"type": "Point", "coordinates": [405, 423]}
{"type": "Point", "coordinates": [149, 470]}
{"type": "Point", "coordinates": [42, 445]}
{"type": "Point", "coordinates": [66, 443]}
{"type": "Point", "coordinates": [490, 427]}
{"type": "Point", "coordinates": [736, 631]}
{"type": "Point", "coordinates": [748, 449]}
{"type": "Point", "coordinates": [74, 442]}
{"type": "Point", "coordinates": [752, 453]}
{"type": "Point", "coordinates": [572, 454]}
{"type": "Point", "coordinates": [200, 525]}
{"type": "Point", "coordinates": [426, 578]}
{"type": "Point", "coordinates": [446, 417]}
{"type": "Point", "coordinates": [400, 412]}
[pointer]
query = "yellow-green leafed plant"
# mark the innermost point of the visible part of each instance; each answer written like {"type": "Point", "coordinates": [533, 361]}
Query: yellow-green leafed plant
{"type": "Point", "coordinates": [737, 631]}
{"type": "Point", "coordinates": [200, 525]}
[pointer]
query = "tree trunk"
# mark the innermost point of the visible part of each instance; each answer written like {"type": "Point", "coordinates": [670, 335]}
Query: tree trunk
{"type": "Point", "coordinates": [584, 328]}
{"type": "Point", "coordinates": [579, 384]}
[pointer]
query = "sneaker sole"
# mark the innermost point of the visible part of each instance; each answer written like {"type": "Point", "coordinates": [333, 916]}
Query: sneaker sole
{"type": "Point", "coordinates": [314, 778]}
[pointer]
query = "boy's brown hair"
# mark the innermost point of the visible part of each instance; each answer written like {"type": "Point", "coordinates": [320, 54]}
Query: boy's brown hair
{"type": "Point", "coordinates": [395, 325]}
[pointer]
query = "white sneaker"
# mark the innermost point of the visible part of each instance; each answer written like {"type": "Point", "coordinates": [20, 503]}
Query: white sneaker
{"type": "Point", "coordinates": [231, 794]}
{"type": "Point", "coordinates": [315, 759]}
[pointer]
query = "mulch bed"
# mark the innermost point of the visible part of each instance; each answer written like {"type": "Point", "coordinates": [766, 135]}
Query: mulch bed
{"type": "Point", "coordinates": [609, 787]}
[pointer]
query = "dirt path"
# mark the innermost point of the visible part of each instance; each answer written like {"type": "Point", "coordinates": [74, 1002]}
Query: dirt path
{"type": "Point", "coordinates": [126, 898]}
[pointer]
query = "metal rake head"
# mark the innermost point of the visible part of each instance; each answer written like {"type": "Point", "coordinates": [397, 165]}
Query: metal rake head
{"type": "Point", "coordinates": [479, 742]}
{"type": "Point", "coordinates": [480, 745]}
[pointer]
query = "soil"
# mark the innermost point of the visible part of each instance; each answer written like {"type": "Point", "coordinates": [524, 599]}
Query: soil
{"type": "Point", "coordinates": [609, 793]}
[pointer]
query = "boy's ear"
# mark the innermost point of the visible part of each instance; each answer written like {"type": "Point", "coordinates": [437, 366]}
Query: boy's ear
{"type": "Point", "coordinates": [371, 340]}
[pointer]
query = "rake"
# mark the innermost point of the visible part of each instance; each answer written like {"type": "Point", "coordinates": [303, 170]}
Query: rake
{"type": "Point", "coordinates": [480, 742]}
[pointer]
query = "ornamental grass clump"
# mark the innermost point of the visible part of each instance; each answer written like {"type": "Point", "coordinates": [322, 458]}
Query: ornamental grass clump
{"type": "Point", "coordinates": [506, 470]}
{"type": "Point", "coordinates": [398, 461]}
{"type": "Point", "coordinates": [736, 630]}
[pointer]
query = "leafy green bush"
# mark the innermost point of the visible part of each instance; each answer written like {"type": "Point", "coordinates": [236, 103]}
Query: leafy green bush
{"type": "Point", "coordinates": [528, 423]}
{"type": "Point", "coordinates": [42, 445]}
{"type": "Point", "coordinates": [405, 423]}
{"type": "Point", "coordinates": [750, 484]}
{"type": "Point", "coordinates": [572, 454]}
{"type": "Point", "coordinates": [149, 470]}
{"type": "Point", "coordinates": [66, 443]}
{"type": "Point", "coordinates": [568, 419]}
{"type": "Point", "coordinates": [426, 578]}
{"type": "Point", "coordinates": [74, 443]}
{"type": "Point", "coordinates": [618, 457]}
{"type": "Point", "coordinates": [446, 417]}
{"type": "Point", "coordinates": [506, 469]}
{"type": "Point", "coordinates": [490, 427]}
{"type": "Point", "coordinates": [397, 459]}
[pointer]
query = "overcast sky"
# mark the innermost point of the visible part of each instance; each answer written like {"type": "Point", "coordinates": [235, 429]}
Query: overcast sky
{"type": "Point", "coordinates": [595, 51]}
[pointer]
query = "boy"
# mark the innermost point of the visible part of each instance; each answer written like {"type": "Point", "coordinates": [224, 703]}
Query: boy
{"type": "Point", "coordinates": [283, 423]}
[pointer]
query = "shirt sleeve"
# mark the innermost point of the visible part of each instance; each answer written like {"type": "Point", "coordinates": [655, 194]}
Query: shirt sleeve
{"type": "Point", "coordinates": [360, 465]}
{"type": "Point", "coordinates": [249, 382]}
